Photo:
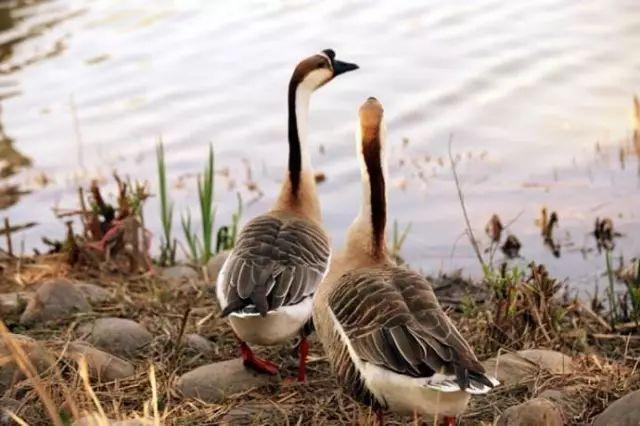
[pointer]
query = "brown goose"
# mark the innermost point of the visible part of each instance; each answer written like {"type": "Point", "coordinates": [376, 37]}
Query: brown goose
{"type": "Point", "coordinates": [266, 285]}
{"type": "Point", "coordinates": [386, 336]}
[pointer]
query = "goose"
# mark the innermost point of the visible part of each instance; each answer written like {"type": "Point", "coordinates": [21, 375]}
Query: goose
{"type": "Point", "coordinates": [387, 339]}
{"type": "Point", "coordinates": [265, 286]}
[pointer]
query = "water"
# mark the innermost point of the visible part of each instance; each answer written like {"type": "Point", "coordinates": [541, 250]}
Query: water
{"type": "Point", "coordinates": [536, 95]}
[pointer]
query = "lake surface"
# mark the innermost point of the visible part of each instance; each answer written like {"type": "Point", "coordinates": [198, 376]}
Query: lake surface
{"type": "Point", "coordinates": [536, 95]}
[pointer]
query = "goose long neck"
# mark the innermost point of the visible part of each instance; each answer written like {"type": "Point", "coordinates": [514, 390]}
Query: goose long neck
{"type": "Point", "coordinates": [298, 194]}
{"type": "Point", "coordinates": [299, 160]}
{"type": "Point", "coordinates": [372, 220]}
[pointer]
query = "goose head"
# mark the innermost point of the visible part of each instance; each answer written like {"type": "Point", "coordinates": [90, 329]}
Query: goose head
{"type": "Point", "coordinates": [317, 70]}
{"type": "Point", "coordinates": [370, 138]}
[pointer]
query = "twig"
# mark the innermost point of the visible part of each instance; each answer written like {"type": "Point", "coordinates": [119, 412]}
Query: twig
{"type": "Point", "coordinates": [7, 230]}
{"type": "Point", "coordinates": [602, 336]}
{"type": "Point", "coordinates": [587, 310]}
{"type": "Point", "coordinates": [15, 228]}
{"type": "Point", "coordinates": [472, 238]}
{"type": "Point", "coordinates": [83, 208]}
{"type": "Point", "coordinates": [627, 326]}
{"type": "Point", "coordinates": [183, 325]}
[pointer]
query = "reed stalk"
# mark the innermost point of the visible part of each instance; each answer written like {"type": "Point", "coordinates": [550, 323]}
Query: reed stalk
{"type": "Point", "coordinates": [167, 243]}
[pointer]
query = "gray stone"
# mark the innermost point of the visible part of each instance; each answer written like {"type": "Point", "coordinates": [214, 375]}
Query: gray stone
{"type": "Point", "coordinates": [511, 368]}
{"type": "Point", "coordinates": [567, 399]}
{"type": "Point", "coordinates": [120, 336]}
{"type": "Point", "coordinates": [623, 412]}
{"type": "Point", "coordinates": [102, 366]}
{"type": "Point", "coordinates": [199, 344]}
{"type": "Point", "coordinates": [215, 382]}
{"type": "Point", "coordinates": [7, 404]}
{"type": "Point", "coordinates": [552, 361]}
{"type": "Point", "coordinates": [215, 265]}
{"type": "Point", "coordinates": [55, 299]}
{"type": "Point", "coordinates": [37, 354]}
{"type": "Point", "coordinates": [535, 412]}
{"type": "Point", "coordinates": [179, 274]}
{"type": "Point", "coordinates": [94, 293]}
{"type": "Point", "coordinates": [14, 303]}
{"type": "Point", "coordinates": [255, 413]}
{"type": "Point", "coordinates": [95, 419]}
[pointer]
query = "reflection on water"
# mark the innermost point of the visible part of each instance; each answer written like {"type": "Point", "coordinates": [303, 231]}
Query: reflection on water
{"type": "Point", "coordinates": [537, 96]}
{"type": "Point", "coordinates": [11, 160]}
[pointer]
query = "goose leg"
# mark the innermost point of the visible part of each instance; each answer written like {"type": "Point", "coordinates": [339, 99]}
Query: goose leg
{"type": "Point", "coordinates": [250, 360]}
{"type": "Point", "coordinates": [303, 351]}
{"type": "Point", "coordinates": [449, 421]}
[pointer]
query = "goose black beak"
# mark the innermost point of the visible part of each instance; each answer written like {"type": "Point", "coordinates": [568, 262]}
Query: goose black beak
{"type": "Point", "coordinates": [340, 67]}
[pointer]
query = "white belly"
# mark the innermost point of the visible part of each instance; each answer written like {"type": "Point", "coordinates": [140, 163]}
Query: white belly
{"type": "Point", "coordinates": [404, 394]}
{"type": "Point", "coordinates": [276, 327]}
{"type": "Point", "coordinates": [400, 393]}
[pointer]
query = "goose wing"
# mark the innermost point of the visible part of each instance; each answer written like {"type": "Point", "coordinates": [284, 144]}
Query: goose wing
{"type": "Point", "coordinates": [277, 261]}
{"type": "Point", "coordinates": [392, 319]}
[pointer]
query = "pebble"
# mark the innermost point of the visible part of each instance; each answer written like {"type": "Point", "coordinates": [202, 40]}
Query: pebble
{"type": "Point", "coordinates": [37, 354]}
{"type": "Point", "coordinates": [197, 343]}
{"type": "Point", "coordinates": [215, 265]}
{"type": "Point", "coordinates": [95, 294]}
{"type": "Point", "coordinates": [515, 367]}
{"type": "Point", "coordinates": [102, 366]}
{"type": "Point", "coordinates": [535, 412]}
{"type": "Point", "coordinates": [179, 274]}
{"type": "Point", "coordinates": [552, 361]}
{"type": "Point", "coordinates": [255, 413]}
{"type": "Point", "coordinates": [622, 412]}
{"type": "Point", "coordinates": [54, 300]}
{"type": "Point", "coordinates": [14, 303]}
{"type": "Point", "coordinates": [215, 382]}
{"type": "Point", "coordinates": [95, 419]}
{"type": "Point", "coordinates": [120, 336]}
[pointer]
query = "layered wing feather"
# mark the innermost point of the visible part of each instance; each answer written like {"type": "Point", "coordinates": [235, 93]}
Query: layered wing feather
{"type": "Point", "coordinates": [277, 261]}
{"type": "Point", "coordinates": [393, 320]}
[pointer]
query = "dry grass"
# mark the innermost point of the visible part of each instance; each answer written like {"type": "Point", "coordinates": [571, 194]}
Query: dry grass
{"type": "Point", "coordinates": [608, 367]}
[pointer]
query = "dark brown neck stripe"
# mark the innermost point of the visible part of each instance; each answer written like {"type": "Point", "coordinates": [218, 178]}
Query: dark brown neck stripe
{"type": "Point", "coordinates": [371, 149]}
{"type": "Point", "coordinates": [295, 156]}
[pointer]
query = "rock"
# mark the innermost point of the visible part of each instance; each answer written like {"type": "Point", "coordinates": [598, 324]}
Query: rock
{"type": "Point", "coordinates": [54, 300]}
{"type": "Point", "coordinates": [95, 419]}
{"type": "Point", "coordinates": [94, 293]}
{"type": "Point", "coordinates": [37, 354]}
{"type": "Point", "coordinates": [566, 399]}
{"type": "Point", "coordinates": [513, 367]}
{"type": "Point", "coordinates": [552, 361]}
{"type": "Point", "coordinates": [120, 336]}
{"type": "Point", "coordinates": [14, 303]}
{"type": "Point", "coordinates": [535, 412]}
{"type": "Point", "coordinates": [215, 265]}
{"type": "Point", "coordinates": [179, 274]}
{"type": "Point", "coordinates": [509, 368]}
{"type": "Point", "coordinates": [255, 413]}
{"type": "Point", "coordinates": [10, 405]}
{"type": "Point", "coordinates": [102, 365]}
{"type": "Point", "coordinates": [199, 344]}
{"type": "Point", "coordinates": [214, 382]}
{"type": "Point", "coordinates": [623, 412]}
